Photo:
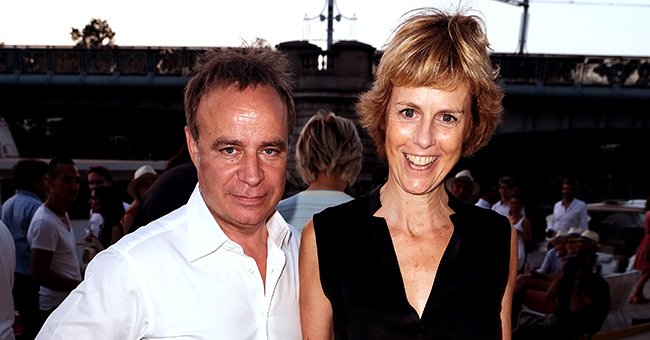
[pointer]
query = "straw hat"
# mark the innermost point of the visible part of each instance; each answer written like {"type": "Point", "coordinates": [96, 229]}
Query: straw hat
{"type": "Point", "coordinates": [590, 236]}
{"type": "Point", "coordinates": [140, 174]}
{"type": "Point", "coordinates": [559, 236]}
{"type": "Point", "coordinates": [575, 231]}
{"type": "Point", "coordinates": [463, 175]}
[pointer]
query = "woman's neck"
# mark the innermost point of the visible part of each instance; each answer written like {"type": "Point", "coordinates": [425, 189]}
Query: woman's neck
{"type": "Point", "coordinates": [327, 182]}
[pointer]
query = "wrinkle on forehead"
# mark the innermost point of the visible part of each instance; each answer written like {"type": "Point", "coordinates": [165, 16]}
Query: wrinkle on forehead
{"type": "Point", "coordinates": [246, 117]}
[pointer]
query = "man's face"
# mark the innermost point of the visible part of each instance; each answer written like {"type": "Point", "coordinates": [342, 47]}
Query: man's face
{"type": "Point", "coordinates": [96, 180]}
{"type": "Point", "coordinates": [567, 190]}
{"type": "Point", "coordinates": [241, 154]}
{"type": "Point", "coordinates": [65, 185]}
{"type": "Point", "coordinates": [462, 188]}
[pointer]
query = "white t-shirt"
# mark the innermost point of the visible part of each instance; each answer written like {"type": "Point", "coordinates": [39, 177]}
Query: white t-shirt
{"type": "Point", "coordinates": [48, 232]}
{"type": "Point", "coordinates": [181, 277]}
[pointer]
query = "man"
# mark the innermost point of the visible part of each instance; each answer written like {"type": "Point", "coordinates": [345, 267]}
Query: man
{"type": "Point", "coordinates": [507, 188]}
{"type": "Point", "coordinates": [569, 211]}
{"type": "Point", "coordinates": [7, 266]}
{"type": "Point", "coordinates": [463, 186]}
{"type": "Point", "coordinates": [55, 265]}
{"type": "Point", "coordinates": [223, 266]}
{"type": "Point", "coordinates": [30, 180]}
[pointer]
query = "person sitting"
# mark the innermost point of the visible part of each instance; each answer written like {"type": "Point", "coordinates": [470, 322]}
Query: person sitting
{"type": "Point", "coordinates": [583, 301]}
{"type": "Point", "coordinates": [328, 158]}
{"type": "Point", "coordinates": [530, 288]}
{"type": "Point", "coordinates": [589, 239]}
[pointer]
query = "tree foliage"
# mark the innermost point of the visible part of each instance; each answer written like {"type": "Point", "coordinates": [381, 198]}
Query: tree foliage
{"type": "Point", "coordinates": [96, 34]}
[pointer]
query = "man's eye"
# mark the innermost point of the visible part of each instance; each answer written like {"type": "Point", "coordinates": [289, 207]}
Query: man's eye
{"type": "Point", "coordinates": [408, 113]}
{"type": "Point", "coordinates": [228, 150]}
{"type": "Point", "coordinates": [270, 152]}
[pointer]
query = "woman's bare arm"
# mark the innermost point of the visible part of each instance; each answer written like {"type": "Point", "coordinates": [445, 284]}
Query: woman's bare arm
{"type": "Point", "coordinates": [506, 302]}
{"type": "Point", "coordinates": [315, 308]}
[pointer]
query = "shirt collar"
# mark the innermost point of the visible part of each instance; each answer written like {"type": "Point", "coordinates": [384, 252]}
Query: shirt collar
{"type": "Point", "coordinates": [205, 236]}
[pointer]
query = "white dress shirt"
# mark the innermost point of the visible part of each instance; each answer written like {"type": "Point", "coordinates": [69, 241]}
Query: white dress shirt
{"type": "Point", "coordinates": [566, 218]}
{"type": "Point", "coordinates": [181, 277]}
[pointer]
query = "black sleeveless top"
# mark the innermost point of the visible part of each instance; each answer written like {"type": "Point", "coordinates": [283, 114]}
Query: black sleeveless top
{"type": "Point", "coordinates": [360, 275]}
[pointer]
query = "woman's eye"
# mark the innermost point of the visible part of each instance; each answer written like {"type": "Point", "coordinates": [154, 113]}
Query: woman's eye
{"type": "Point", "coordinates": [447, 118]}
{"type": "Point", "coordinates": [408, 113]}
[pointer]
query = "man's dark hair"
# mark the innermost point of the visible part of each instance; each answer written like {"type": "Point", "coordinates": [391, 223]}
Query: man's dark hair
{"type": "Point", "coordinates": [55, 161]}
{"type": "Point", "coordinates": [243, 68]}
{"type": "Point", "coordinates": [102, 171]}
{"type": "Point", "coordinates": [28, 172]}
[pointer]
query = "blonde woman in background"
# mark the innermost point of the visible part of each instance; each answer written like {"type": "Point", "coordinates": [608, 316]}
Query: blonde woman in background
{"type": "Point", "coordinates": [328, 159]}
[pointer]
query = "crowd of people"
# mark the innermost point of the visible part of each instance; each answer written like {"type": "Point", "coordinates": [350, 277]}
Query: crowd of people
{"type": "Point", "coordinates": [212, 248]}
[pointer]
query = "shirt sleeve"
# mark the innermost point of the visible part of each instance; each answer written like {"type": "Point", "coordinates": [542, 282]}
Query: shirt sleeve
{"type": "Point", "coordinates": [108, 304]}
{"type": "Point", "coordinates": [42, 235]}
{"type": "Point", "coordinates": [584, 217]}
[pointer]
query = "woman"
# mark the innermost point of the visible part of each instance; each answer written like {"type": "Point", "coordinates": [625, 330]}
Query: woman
{"type": "Point", "coordinates": [328, 159]}
{"type": "Point", "coordinates": [105, 201]}
{"type": "Point", "coordinates": [409, 260]}
{"type": "Point", "coordinates": [524, 229]}
{"type": "Point", "coordinates": [642, 260]}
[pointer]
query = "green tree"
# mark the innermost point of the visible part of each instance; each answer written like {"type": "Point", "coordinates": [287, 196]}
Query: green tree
{"type": "Point", "coordinates": [96, 34]}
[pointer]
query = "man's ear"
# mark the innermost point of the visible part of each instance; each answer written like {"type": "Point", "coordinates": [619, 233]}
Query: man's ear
{"type": "Point", "coordinates": [192, 146]}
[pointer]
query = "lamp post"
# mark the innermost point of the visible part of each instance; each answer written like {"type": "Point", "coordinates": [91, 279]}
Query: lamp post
{"type": "Point", "coordinates": [524, 21]}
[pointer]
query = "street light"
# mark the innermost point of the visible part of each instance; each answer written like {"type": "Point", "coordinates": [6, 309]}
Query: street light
{"type": "Point", "coordinates": [524, 21]}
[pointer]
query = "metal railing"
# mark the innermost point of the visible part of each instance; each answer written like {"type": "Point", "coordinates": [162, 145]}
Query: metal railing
{"type": "Point", "coordinates": [18, 63]}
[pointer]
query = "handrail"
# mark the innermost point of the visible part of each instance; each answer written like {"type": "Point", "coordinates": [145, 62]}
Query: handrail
{"type": "Point", "coordinates": [18, 62]}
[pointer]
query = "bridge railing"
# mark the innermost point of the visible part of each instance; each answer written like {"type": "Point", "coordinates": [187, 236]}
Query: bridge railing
{"type": "Point", "coordinates": [552, 70]}
{"type": "Point", "coordinates": [100, 61]}
{"type": "Point", "coordinates": [547, 70]}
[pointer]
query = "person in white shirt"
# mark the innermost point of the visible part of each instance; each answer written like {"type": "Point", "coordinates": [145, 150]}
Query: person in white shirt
{"type": "Point", "coordinates": [223, 266]}
{"type": "Point", "coordinates": [55, 265]}
{"type": "Point", "coordinates": [569, 212]}
{"type": "Point", "coordinates": [507, 188]}
{"type": "Point", "coordinates": [7, 266]}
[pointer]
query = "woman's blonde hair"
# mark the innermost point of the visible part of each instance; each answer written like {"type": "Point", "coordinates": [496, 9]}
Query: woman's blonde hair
{"type": "Point", "coordinates": [329, 144]}
{"type": "Point", "coordinates": [443, 51]}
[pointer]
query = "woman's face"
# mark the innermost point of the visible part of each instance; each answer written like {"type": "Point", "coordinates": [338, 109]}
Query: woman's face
{"type": "Point", "coordinates": [424, 135]}
{"type": "Point", "coordinates": [94, 202]}
{"type": "Point", "coordinates": [515, 206]}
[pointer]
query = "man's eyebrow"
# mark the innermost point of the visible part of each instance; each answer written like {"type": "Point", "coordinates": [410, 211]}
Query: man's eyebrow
{"type": "Point", "coordinates": [277, 143]}
{"type": "Point", "coordinates": [219, 142]}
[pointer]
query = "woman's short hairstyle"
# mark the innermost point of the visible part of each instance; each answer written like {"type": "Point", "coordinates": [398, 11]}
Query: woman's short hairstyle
{"type": "Point", "coordinates": [443, 51]}
{"type": "Point", "coordinates": [329, 144]}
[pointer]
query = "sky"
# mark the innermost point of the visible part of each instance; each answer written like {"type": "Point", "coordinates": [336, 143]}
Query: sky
{"type": "Point", "coordinates": [576, 27]}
